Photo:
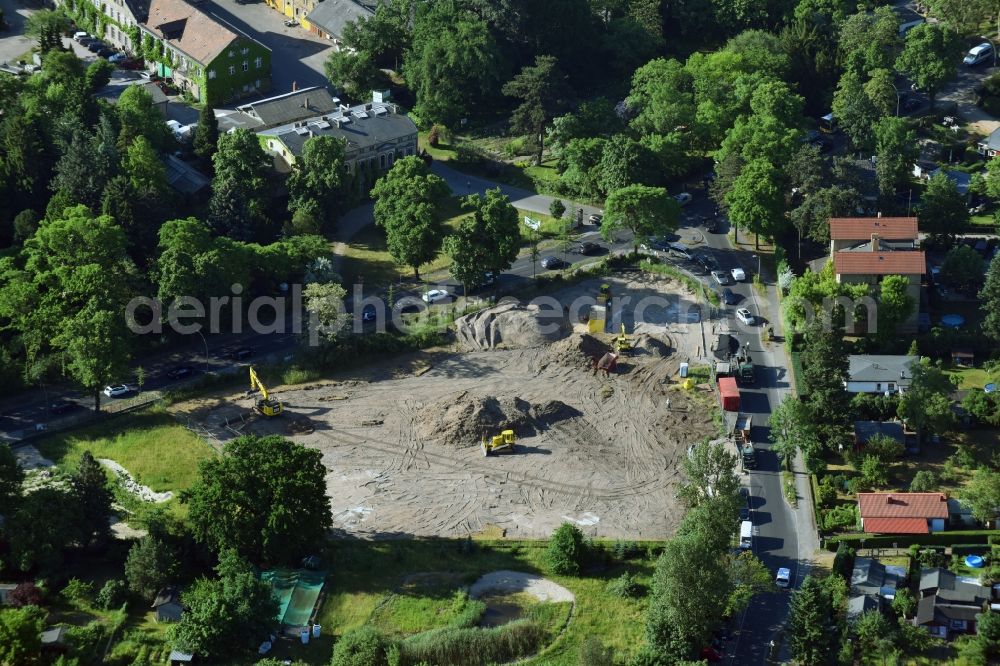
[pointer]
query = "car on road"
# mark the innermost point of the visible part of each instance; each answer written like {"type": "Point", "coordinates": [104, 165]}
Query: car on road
{"type": "Point", "coordinates": [783, 578]}
{"type": "Point", "coordinates": [368, 312]}
{"type": "Point", "coordinates": [77, 36]}
{"type": "Point", "coordinates": [655, 244]}
{"type": "Point", "coordinates": [978, 54]}
{"type": "Point", "coordinates": [115, 390]}
{"type": "Point", "coordinates": [684, 198]}
{"type": "Point", "coordinates": [680, 250]}
{"type": "Point", "coordinates": [552, 263]}
{"type": "Point", "coordinates": [595, 218]}
{"type": "Point", "coordinates": [722, 277]}
{"type": "Point", "coordinates": [435, 295]}
{"type": "Point", "coordinates": [713, 225]}
{"type": "Point", "coordinates": [744, 513]}
{"type": "Point", "coordinates": [745, 316]}
{"type": "Point", "coordinates": [180, 372]}
{"type": "Point", "coordinates": [728, 297]}
{"type": "Point", "coordinates": [587, 248]}
{"type": "Point", "coordinates": [706, 260]}
{"type": "Point", "coordinates": [62, 406]}
{"type": "Point", "coordinates": [291, 23]}
{"type": "Point", "coordinates": [738, 274]}
{"type": "Point", "coordinates": [240, 353]}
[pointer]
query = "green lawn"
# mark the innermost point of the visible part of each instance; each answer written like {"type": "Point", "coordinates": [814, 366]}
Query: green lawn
{"type": "Point", "coordinates": [971, 378]}
{"type": "Point", "coordinates": [151, 445]}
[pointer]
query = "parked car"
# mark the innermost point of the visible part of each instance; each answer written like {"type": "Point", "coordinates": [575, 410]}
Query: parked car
{"type": "Point", "coordinates": [291, 23]}
{"type": "Point", "coordinates": [240, 353]}
{"type": "Point", "coordinates": [655, 244]}
{"type": "Point", "coordinates": [738, 274]}
{"type": "Point", "coordinates": [95, 46]}
{"type": "Point", "coordinates": [117, 58]}
{"type": "Point", "coordinates": [978, 54]}
{"type": "Point", "coordinates": [115, 390]}
{"type": "Point", "coordinates": [587, 248]}
{"type": "Point", "coordinates": [680, 250]}
{"type": "Point", "coordinates": [435, 295]}
{"type": "Point", "coordinates": [706, 260]}
{"type": "Point", "coordinates": [180, 372]}
{"type": "Point", "coordinates": [745, 316]}
{"type": "Point", "coordinates": [728, 297]}
{"type": "Point", "coordinates": [106, 53]}
{"type": "Point", "coordinates": [595, 218]}
{"type": "Point", "coordinates": [552, 263]}
{"type": "Point", "coordinates": [744, 513]}
{"type": "Point", "coordinates": [722, 277]}
{"type": "Point", "coordinates": [62, 406]}
{"type": "Point", "coordinates": [684, 198]}
{"type": "Point", "coordinates": [783, 578]}
{"type": "Point", "coordinates": [77, 36]}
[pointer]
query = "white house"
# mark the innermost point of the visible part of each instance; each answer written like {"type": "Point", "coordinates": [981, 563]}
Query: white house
{"type": "Point", "coordinates": [869, 373]}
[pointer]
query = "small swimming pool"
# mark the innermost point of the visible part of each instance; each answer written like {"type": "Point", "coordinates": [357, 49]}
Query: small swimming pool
{"type": "Point", "coordinates": [952, 320]}
{"type": "Point", "coordinates": [974, 561]}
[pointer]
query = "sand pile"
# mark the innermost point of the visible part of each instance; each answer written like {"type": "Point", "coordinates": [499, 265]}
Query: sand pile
{"type": "Point", "coordinates": [511, 325]}
{"type": "Point", "coordinates": [651, 346]}
{"type": "Point", "coordinates": [577, 350]}
{"type": "Point", "coordinates": [465, 420]}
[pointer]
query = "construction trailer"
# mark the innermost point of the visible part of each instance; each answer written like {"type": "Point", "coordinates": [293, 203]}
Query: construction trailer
{"type": "Point", "coordinates": [729, 393]}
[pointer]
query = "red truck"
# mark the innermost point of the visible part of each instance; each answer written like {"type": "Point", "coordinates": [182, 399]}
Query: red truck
{"type": "Point", "coordinates": [730, 394]}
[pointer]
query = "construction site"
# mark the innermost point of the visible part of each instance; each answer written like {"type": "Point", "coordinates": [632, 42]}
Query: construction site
{"type": "Point", "coordinates": [530, 418]}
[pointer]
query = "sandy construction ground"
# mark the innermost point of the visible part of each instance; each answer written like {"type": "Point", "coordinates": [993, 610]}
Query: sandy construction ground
{"type": "Point", "coordinates": [401, 440]}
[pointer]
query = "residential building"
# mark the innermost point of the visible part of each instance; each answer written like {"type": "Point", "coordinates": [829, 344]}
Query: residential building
{"type": "Point", "coordinates": [879, 373]}
{"type": "Point", "coordinates": [167, 606]}
{"type": "Point", "coordinates": [121, 20]}
{"type": "Point", "coordinates": [327, 19]}
{"type": "Point", "coordinates": [864, 431]}
{"type": "Point", "coordinates": [949, 604]}
{"type": "Point", "coordinates": [116, 87]}
{"type": "Point", "coordinates": [990, 145]}
{"type": "Point", "coordinates": [212, 60]}
{"type": "Point", "coordinates": [185, 178]}
{"type": "Point", "coordinates": [902, 513]}
{"type": "Point", "coordinates": [375, 135]}
{"type": "Point", "coordinates": [872, 585]}
{"type": "Point", "coordinates": [281, 109]}
{"type": "Point", "coordinates": [892, 233]}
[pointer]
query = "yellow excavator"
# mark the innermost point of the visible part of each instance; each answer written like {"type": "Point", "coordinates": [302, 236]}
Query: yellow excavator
{"type": "Point", "coordinates": [623, 343]}
{"type": "Point", "coordinates": [499, 443]}
{"type": "Point", "coordinates": [267, 405]}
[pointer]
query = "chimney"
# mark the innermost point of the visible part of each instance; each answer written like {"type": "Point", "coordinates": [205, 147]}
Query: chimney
{"type": "Point", "coordinates": [875, 240]}
{"type": "Point", "coordinates": [305, 104]}
{"type": "Point", "coordinates": [880, 214]}
{"type": "Point", "coordinates": [295, 86]}
{"type": "Point", "coordinates": [888, 499]}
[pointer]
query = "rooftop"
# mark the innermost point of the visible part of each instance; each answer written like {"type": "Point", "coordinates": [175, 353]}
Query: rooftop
{"type": "Point", "coordinates": [992, 142]}
{"type": "Point", "coordinates": [183, 177]}
{"type": "Point", "coordinates": [200, 36]}
{"type": "Point", "coordinates": [896, 526]}
{"type": "Point", "coordinates": [292, 106]}
{"type": "Point", "coordinates": [910, 262]}
{"type": "Point", "coordinates": [331, 16]}
{"type": "Point", "coordinates": [881, 368]}
{"type": "Point", "coordinates": [862, 228]}
{"type": "Point", "coordinates": [859, 604]}
{"type": "Point", "coordinates": [361, 126]}
{"type": "Point", "coordinates": [902, 505]}
{"type": "Point", "coordinates": [865, 430]}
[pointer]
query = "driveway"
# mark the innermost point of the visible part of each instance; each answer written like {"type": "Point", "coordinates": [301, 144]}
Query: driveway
{"type": "Point", "coordinates": [13, 42]}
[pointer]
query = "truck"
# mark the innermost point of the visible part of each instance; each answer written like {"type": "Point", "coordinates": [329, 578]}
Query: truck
{"type": "Point", "coordinates": [741, 438]}
{"type": "Point", "coordinates": [746, 535]}
{"type": "Point", "coordinates": [742, 366]}
{"type": "Point", "coordinates": [729, 393]}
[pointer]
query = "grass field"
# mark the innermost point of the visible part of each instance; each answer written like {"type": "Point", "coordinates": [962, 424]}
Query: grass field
{"type": "Point", "coordinates": [972, 378]}
{"type": "Point", "coordinates": [407, 586]}
{"type": "Point", "coordinates": [151, 445]}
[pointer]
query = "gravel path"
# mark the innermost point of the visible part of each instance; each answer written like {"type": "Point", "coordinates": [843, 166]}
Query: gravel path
{"type": "Point", "coordinates": [542, 589]}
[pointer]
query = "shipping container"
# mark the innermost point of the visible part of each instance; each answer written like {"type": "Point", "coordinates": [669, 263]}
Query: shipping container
{"type": "Point", "coordinates": [730, 394]}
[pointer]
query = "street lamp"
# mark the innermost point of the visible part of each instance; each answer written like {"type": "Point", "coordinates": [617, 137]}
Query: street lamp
{"type": "Point", "coordinates": [757, 257]}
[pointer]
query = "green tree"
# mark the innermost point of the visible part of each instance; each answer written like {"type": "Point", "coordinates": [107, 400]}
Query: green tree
{"type": "Point", "coordinates": [557, 208]}
{"type": "Point", "coordinates": [265, 498]}
{"type": "Point", "coordinates": [408, 205]}
{"type": "Point", "coordinates": [895, 148]}
{"type": "Point", "coordinates": [485, 242]}
{"type": "Point", "coordinates": [643, 210]}
{"type": "Point", "coordinates": [146, 172]}
{"type": "Point", "coordinates": [319, 177]}
{"type": "Point", "coordinates": [21, 635]}
{"type": "Point", "coordinates": [98, 74]}
{"type": "Point", "coordinates": [544, 93]}
{"type": "Point", "coordinates": [565, 551]}
{"type": "Point", "coordinates": [151, 565]}
{"type": "Point", "coordinates": [91, 487]}
{"type": "Point", "coordinates": [226, 617]}
{"type": "Point", "coordinates": [710, 470]}
{"type": "Point", "coordinates": [927, 401]}
{"type": "Point", "coordinates": [982, 494]}
{"type": "Point", "coordinates": [811, 217]}
{"type": "Point", "coordinates": [871, 628]}
{"type": "Point", "coordinates": [811, 615]}
{"type": "Point", "coordinates": [963, 268]}
{"type": "Point", "coordinates": [873, 472]}
{"type": "Point", "coordinates": [46, 26]}
{"type": "Point", "coordinates": [756, 200]}
{"type": "Point", "coordinates": [363, 646]}
{"type": "Point", "coordinates": [624, 162]}
{"type": "Point", "coordinates": [943, 208]}
{"type": "Point", "coordinates": [748, 576]}
{"type": "Point", "coordinates": [325, 305]}
{"type": "Point", "coordinates": [139, 117]}
{"type": "Point", "coordinates": [869, 40]}
{"type": "Point", "coordinates": [206, 135]}
{"type": "Point", "coordinates": [663, 95]}
{"type": "Point", "coordinates": [824, 372]}
{"type": "Point", "coordinates": [354, 72]}
{"type": "Point", "coordinates": [82, 172]}
{"type": "Point", "coordinates": [886, 449]}
{"type": "Point", "coordinates": [580, 163]}
{"type": "Point", "coordinates": [929, 57]}
{"type": "Point", "coordinates": [194, 263]}
{"type": "Point", "coordinates": [44, 527]}
{"type": "Point", "coordinates": [792, 428]}
{"type": "Point", "coordinates": [854, 109]}
{"type": "Point", "coordinates": [904, 604]}
{"type": "Point", "coordinates": [895, 305]}
{"type": "Point", "coordinates": [881, 90]}
{"type": "Point", "coordinates": [383, 35]}
{"type": "Point", "coordinates": [924, 481]}
{"type": "Point", "coordinates": [990, 296]}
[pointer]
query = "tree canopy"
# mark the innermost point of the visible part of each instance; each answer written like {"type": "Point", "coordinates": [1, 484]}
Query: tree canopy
{"type": "Point", "coordinates": [643, 210]}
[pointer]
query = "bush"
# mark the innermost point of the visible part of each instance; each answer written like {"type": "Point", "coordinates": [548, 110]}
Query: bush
{"type": "Point", "coordinates": [565, 551]}
{"type": "Point", "coordinates": [826, 491]}
{"type": "Point", "coordinates": [886, 449]}
{"type": "Point", "coordinates": [468, 647]}
{"type": "Point", "coordinates": [113, 594]}
{"type": "Point", "coordinates": [78, 591]}
{"type": "Point", "coordinates": [840, 517]}
{"type": "Point", "coordinates": [924, 481]}
{"type": "Point", "coordinates": [969, 549]}
{"type": "Point", "coordinates": [362, 647]}
{"type": "Point", "coordinates": [625, 550]}
{"type": "Point", "coordinates": [904, 540]}
{"type": "Point", "coordinates": [625, 587]}
{"type": "Point", "coordinates": [25, 594]}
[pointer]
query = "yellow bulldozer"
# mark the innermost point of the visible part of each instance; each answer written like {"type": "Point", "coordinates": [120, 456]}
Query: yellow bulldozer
{"type": "Point", "coordinates": [622, 343]}
{"type": "Point", "coordinates": [266, 405]}
{"type": "Point", "coordinates": [499, 443]}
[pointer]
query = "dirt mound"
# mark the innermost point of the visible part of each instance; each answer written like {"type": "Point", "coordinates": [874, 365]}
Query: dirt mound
{"type": "Point", "coordinates": [465, 420]}
{"type": "Point", "coordinates": [511, 325]}
{"type": "Point", "coordinates": [577, 350]}
{"type": "Point", "coordinates": [652, 346]}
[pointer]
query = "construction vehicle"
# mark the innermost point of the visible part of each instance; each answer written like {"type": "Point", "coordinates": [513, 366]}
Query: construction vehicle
{"type": "Point", "coordinates": [742, 366]}
{"type": "Point", "coordinates": [499, 443]}
{"type": "Point", "coordinates": [741, 437]}
{"type": "Point", "coordinates": [266, 405]}
{"type": "Point", "coordinates": [623, 343]}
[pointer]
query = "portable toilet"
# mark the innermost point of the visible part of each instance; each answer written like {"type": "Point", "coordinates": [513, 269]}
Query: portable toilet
{"type": "Point", "coordinates": [598, 316]}
{"type": "Point", "coordinates": [316, 630]}
{"type": "Point", "coordinates": [684, 370]}
{"type": "Point", "coordinates": [304, 636]}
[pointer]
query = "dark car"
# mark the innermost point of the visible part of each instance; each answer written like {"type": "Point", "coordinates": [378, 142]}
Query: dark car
{"type": "Point", "coordinates": [95, 46]}
{"type": "Point", "coordinates": [552, 263]}
{"type": "Point", "coordinates": [713, 225]}
{"type": "Point", "coordinates": [728, 297]}
{"type": "Point", "coordinates": [368, 312]}
{"type": "Point", "coordinates": [180, 372]}
{"type": "Point", "coordinates": [62, 406]}
{"type": "Point", "coordinates": [706, 260]}
{"type": "Point", "coordinates": [240, 353]}
{"type": "Point", "coordinates": [587, 248]}
{"type": "Point", "coordinates": [744, 513]}
{"type": "Point", "coordinates": [106, 53]}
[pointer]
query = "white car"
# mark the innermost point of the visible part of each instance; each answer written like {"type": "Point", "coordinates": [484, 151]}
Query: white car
{"type": "Point", "coordinates": [978, 54]}
{"type": "Point", "coordinates": [784, 578]}
{"type": "Point", "coordinates": [684, 198]}
{"type": "Point", "coordinates": [115, 390]}
{"type": "Point", "coordinates": [744, 316]}
{"type": "Point", "coordinates": [435, 295]}
{"type": "Point", "coordinates": [739, 274]}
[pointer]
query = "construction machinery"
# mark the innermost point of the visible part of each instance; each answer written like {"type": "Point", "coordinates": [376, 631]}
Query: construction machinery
{"type": "Point", "coordinates": [266, 405]}
{"type": "Point", "coordinates": [623, 343]}
{"type": "Point", "coordinates": [742, 366]}
{"type": "Point", "coordinates": [741, 437]}
{"type": "Point", "coordinates": [505, 441]}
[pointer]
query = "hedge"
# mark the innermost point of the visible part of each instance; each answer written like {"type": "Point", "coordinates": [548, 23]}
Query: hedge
{"type": "Point", "coordinates": [969, 549]}
{"type": "Point", "coordinates": [904, 540]}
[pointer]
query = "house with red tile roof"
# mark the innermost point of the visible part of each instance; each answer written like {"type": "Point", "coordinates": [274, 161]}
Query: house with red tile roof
{"type": "Point", "coordinates": [846, 232]}
{"type": "Point", "coordinates": [903, 513]}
